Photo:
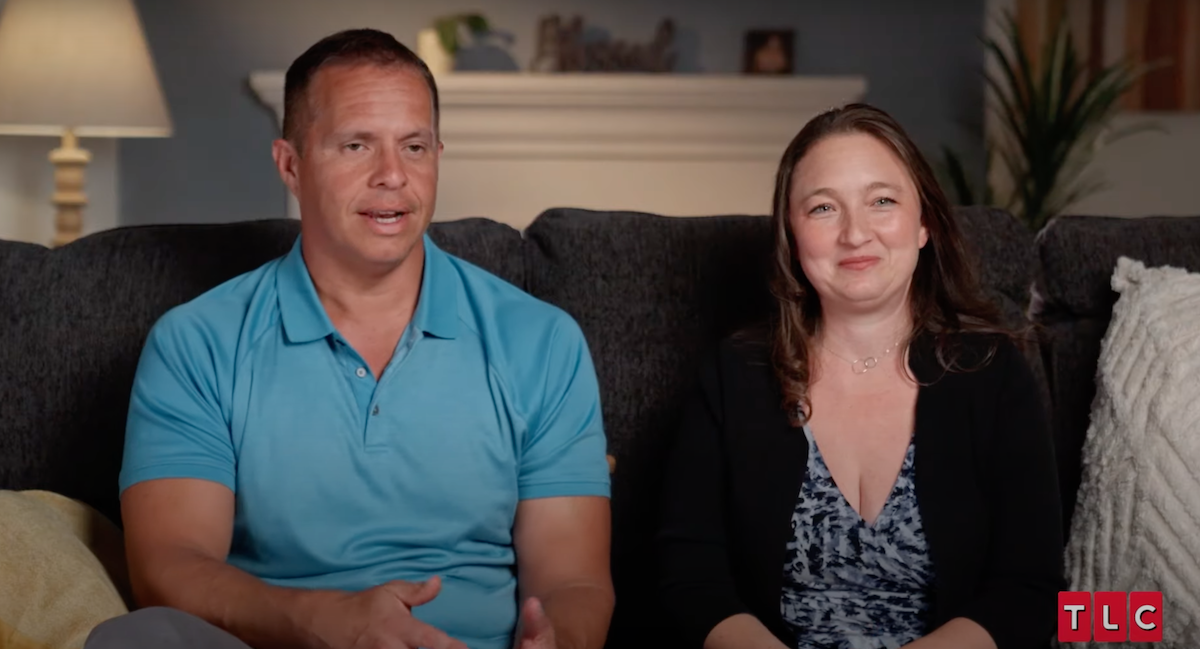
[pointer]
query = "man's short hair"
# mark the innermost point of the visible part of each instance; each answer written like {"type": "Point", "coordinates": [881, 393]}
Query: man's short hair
{"type": "Point", "coordinates": [352, 46]}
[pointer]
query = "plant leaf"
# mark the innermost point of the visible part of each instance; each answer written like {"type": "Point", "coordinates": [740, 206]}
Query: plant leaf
{"type": "Point", "coordinates": [957, 174]}
{"type": "Point", "coordinates": [476, 23]}
{"type": "Point", "coordinates": [447, 29]}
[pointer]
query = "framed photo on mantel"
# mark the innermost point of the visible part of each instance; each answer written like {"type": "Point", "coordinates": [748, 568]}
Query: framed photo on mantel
{"type": "Point", "coordinates": [769, 51]}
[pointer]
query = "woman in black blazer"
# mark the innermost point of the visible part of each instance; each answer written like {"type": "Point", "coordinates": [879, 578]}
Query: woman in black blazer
{"type": "Point", "coordinates": [872, 468]}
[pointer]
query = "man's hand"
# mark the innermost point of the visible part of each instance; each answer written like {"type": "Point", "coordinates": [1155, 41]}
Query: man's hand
{"type": "Point", "coordinates": [534, 630]}
{"type": "Point", "coordinates": [378, 618]}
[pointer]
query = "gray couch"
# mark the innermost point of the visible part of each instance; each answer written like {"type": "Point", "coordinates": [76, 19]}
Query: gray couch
{"type": "Point", "coordinates": [651, 294]}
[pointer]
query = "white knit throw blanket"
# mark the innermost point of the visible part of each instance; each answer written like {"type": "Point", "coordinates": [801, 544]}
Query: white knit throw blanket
{"type": "Point", "coordinates": [1137, 522]}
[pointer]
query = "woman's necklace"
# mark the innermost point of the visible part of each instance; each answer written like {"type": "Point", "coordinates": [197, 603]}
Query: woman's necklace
{"type": "Point", "coordinates": [866, 363]}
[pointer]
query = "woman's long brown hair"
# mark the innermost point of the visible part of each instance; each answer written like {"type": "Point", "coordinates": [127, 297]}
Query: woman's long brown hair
{"type": "Point", "coordinates": [945, 298]}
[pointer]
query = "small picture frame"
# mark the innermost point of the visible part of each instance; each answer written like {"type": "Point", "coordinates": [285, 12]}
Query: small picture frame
{"type": "Point", "coordinates": [769, 51]}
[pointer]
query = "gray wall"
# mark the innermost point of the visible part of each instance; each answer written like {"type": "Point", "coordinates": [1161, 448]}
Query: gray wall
{"type": "Point", "coordinates": [923, 65]}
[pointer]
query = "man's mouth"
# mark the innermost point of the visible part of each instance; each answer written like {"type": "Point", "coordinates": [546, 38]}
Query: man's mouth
{"type": "Point", "coordinates": [384, 216]}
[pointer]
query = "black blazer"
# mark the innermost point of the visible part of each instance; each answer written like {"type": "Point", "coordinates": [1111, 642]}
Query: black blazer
{"type": "Point", "coordinates": [986, 485]}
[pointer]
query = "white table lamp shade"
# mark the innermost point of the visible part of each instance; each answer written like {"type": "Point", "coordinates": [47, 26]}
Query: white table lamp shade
{"type": "Point", "coordinates": [81, 65]}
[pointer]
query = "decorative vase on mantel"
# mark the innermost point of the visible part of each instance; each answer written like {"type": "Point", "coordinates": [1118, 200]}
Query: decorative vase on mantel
{"type": "Point", "coordinates": [433, 53]}
{"type": "Point", "coordinates": [439, 43]}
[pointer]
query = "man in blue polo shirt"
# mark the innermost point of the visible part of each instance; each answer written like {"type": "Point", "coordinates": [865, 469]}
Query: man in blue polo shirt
{"type": "Point", "coordinates": [366, 442]}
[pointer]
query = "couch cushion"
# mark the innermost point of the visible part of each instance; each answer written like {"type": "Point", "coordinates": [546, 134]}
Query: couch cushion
{"type": "Point", "coordinates": [1137, 525]}
{"type": "Point", "coordinates": [1005, 248]}
{"type": "Point", "coordinates": [73, 322]}
{"type": "Point", "coordinates": [494, 247]}
{"type": "Point", "coordinates": [64, 571]}
{"type": "Point", "coordinates": [652, 295]}
{"type": "Point", "coordinates": [1078, 255]}
{"type": "Point", "coordinates": [1075, 298]}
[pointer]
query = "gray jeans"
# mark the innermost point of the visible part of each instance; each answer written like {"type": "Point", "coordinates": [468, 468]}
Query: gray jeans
{"type": "Point", "coordinates": [160, 628]}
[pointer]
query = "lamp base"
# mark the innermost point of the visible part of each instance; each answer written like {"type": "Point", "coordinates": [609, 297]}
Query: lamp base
{"type": "Point", "coordinates": [70, 162]}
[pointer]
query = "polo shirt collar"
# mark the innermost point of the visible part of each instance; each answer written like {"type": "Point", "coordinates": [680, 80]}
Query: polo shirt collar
{"type": "Point", "coordinates": [304, 317]}
{"type": "Point", "coordinates": [437, 306]}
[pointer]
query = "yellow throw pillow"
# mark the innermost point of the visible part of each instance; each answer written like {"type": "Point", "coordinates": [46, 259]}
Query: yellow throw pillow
{"type": "Point", "coordinates": [62, 571]}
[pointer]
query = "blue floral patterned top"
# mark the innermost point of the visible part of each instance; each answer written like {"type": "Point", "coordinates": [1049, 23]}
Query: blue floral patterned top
{"type": "Point", "coordinates": [849, 585]}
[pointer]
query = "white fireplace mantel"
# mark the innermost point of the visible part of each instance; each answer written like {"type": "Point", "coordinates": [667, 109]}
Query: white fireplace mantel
{"type": "Point", "coordinates": [517, 144]}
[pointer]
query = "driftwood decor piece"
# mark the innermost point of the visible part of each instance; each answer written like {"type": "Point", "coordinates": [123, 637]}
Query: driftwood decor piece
{"type": "Point", "coordinates": [562, 48]}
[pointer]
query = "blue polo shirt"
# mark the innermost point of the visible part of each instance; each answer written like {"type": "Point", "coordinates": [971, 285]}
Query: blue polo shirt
{"type": "Point", "coordinates": [345, 482]}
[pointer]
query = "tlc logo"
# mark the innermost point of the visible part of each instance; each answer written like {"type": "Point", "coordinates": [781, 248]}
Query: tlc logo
{"type": "Point", "coordinates": [1109, 619]}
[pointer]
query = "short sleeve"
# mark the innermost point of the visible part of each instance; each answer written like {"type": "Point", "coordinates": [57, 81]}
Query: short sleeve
{"type": "Point", "coordinates": [564, 450]}
{"type": "Point", "coordinates": [176, 426]}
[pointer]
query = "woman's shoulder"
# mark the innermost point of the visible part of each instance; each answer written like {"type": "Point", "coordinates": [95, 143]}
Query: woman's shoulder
{"type": "Point", "coordinates": [745, 349]}
{"type": "Point", "coordinates": [734, 361]}
{"type": "Point", "coordinates": [969, 356]}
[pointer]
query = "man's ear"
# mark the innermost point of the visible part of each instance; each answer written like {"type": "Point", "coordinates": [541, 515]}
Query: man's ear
{"type": "Point", "coordinates": [287, 162]}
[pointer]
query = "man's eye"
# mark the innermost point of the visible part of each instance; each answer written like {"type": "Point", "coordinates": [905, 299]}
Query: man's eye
{"type": "Point", "coordinates": [354, 146]}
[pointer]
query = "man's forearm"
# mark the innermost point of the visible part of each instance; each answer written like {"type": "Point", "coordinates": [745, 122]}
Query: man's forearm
{"type": "Point", "coordinates": [580, 614]}
{"type": "Point", "coordinates": [263, 616]}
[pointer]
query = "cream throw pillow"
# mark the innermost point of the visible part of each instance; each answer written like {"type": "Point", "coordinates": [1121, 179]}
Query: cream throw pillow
{"type": "Point", "coordinates": [62, 571]}
{"type": "Point", "coordinates": [1137, 522]}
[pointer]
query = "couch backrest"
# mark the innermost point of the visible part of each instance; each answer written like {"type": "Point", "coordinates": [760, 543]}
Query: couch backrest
{"type": "Point", "coordinates": [1078, 255]}
{"type": "Point", "coordinates": [652, 294]}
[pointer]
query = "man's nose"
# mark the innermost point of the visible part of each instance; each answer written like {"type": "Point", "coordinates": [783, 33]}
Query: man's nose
{"type": "Point", "coordinates": [389, 170]}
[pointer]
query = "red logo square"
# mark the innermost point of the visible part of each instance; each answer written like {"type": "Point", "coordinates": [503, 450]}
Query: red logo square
{"type": "Point", "coordinates": [1110, 621]}
{"type": "Point", "coordinates": [1145, 616]}
{"type": "Point", "coordinates": [1074, 616]}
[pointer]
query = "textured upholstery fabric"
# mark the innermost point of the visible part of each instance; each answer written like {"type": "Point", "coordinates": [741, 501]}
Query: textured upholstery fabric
{"type": "Point", "coordinates": [1078, 254]}
{"type": "Point", "coordinates": [494, 247]}
{"type": "Point", "coordinates": [73, 321]}
{"type": "Point", "coordinates": [1074, 303]}
{"type": "Point", "coordinates": [651, 294]}
{"type": "Point", "coordinates": [1005, 249]}
{"type": "Point", "coordinates": [64, 571]}
{"type": "Point", "coordinates": [1137, 525]}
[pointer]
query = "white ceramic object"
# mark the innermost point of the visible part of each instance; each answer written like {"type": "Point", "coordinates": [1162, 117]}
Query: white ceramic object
{"type": "Point", "coordinates": [429, 48]}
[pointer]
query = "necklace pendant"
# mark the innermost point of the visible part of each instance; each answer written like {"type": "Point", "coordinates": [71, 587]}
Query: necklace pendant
{"type": "Point", "coordinates": [870, 362]}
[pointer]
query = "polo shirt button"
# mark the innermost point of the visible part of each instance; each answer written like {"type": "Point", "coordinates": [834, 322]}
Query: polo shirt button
{"type": "Point", "coordinates": [361, 372]}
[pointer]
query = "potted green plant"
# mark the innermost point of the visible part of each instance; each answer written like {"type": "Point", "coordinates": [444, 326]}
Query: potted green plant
{"type": "Point", "coordinates": [1051, 121]}
{"type": "Point", "coordinates": [438, 44]}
